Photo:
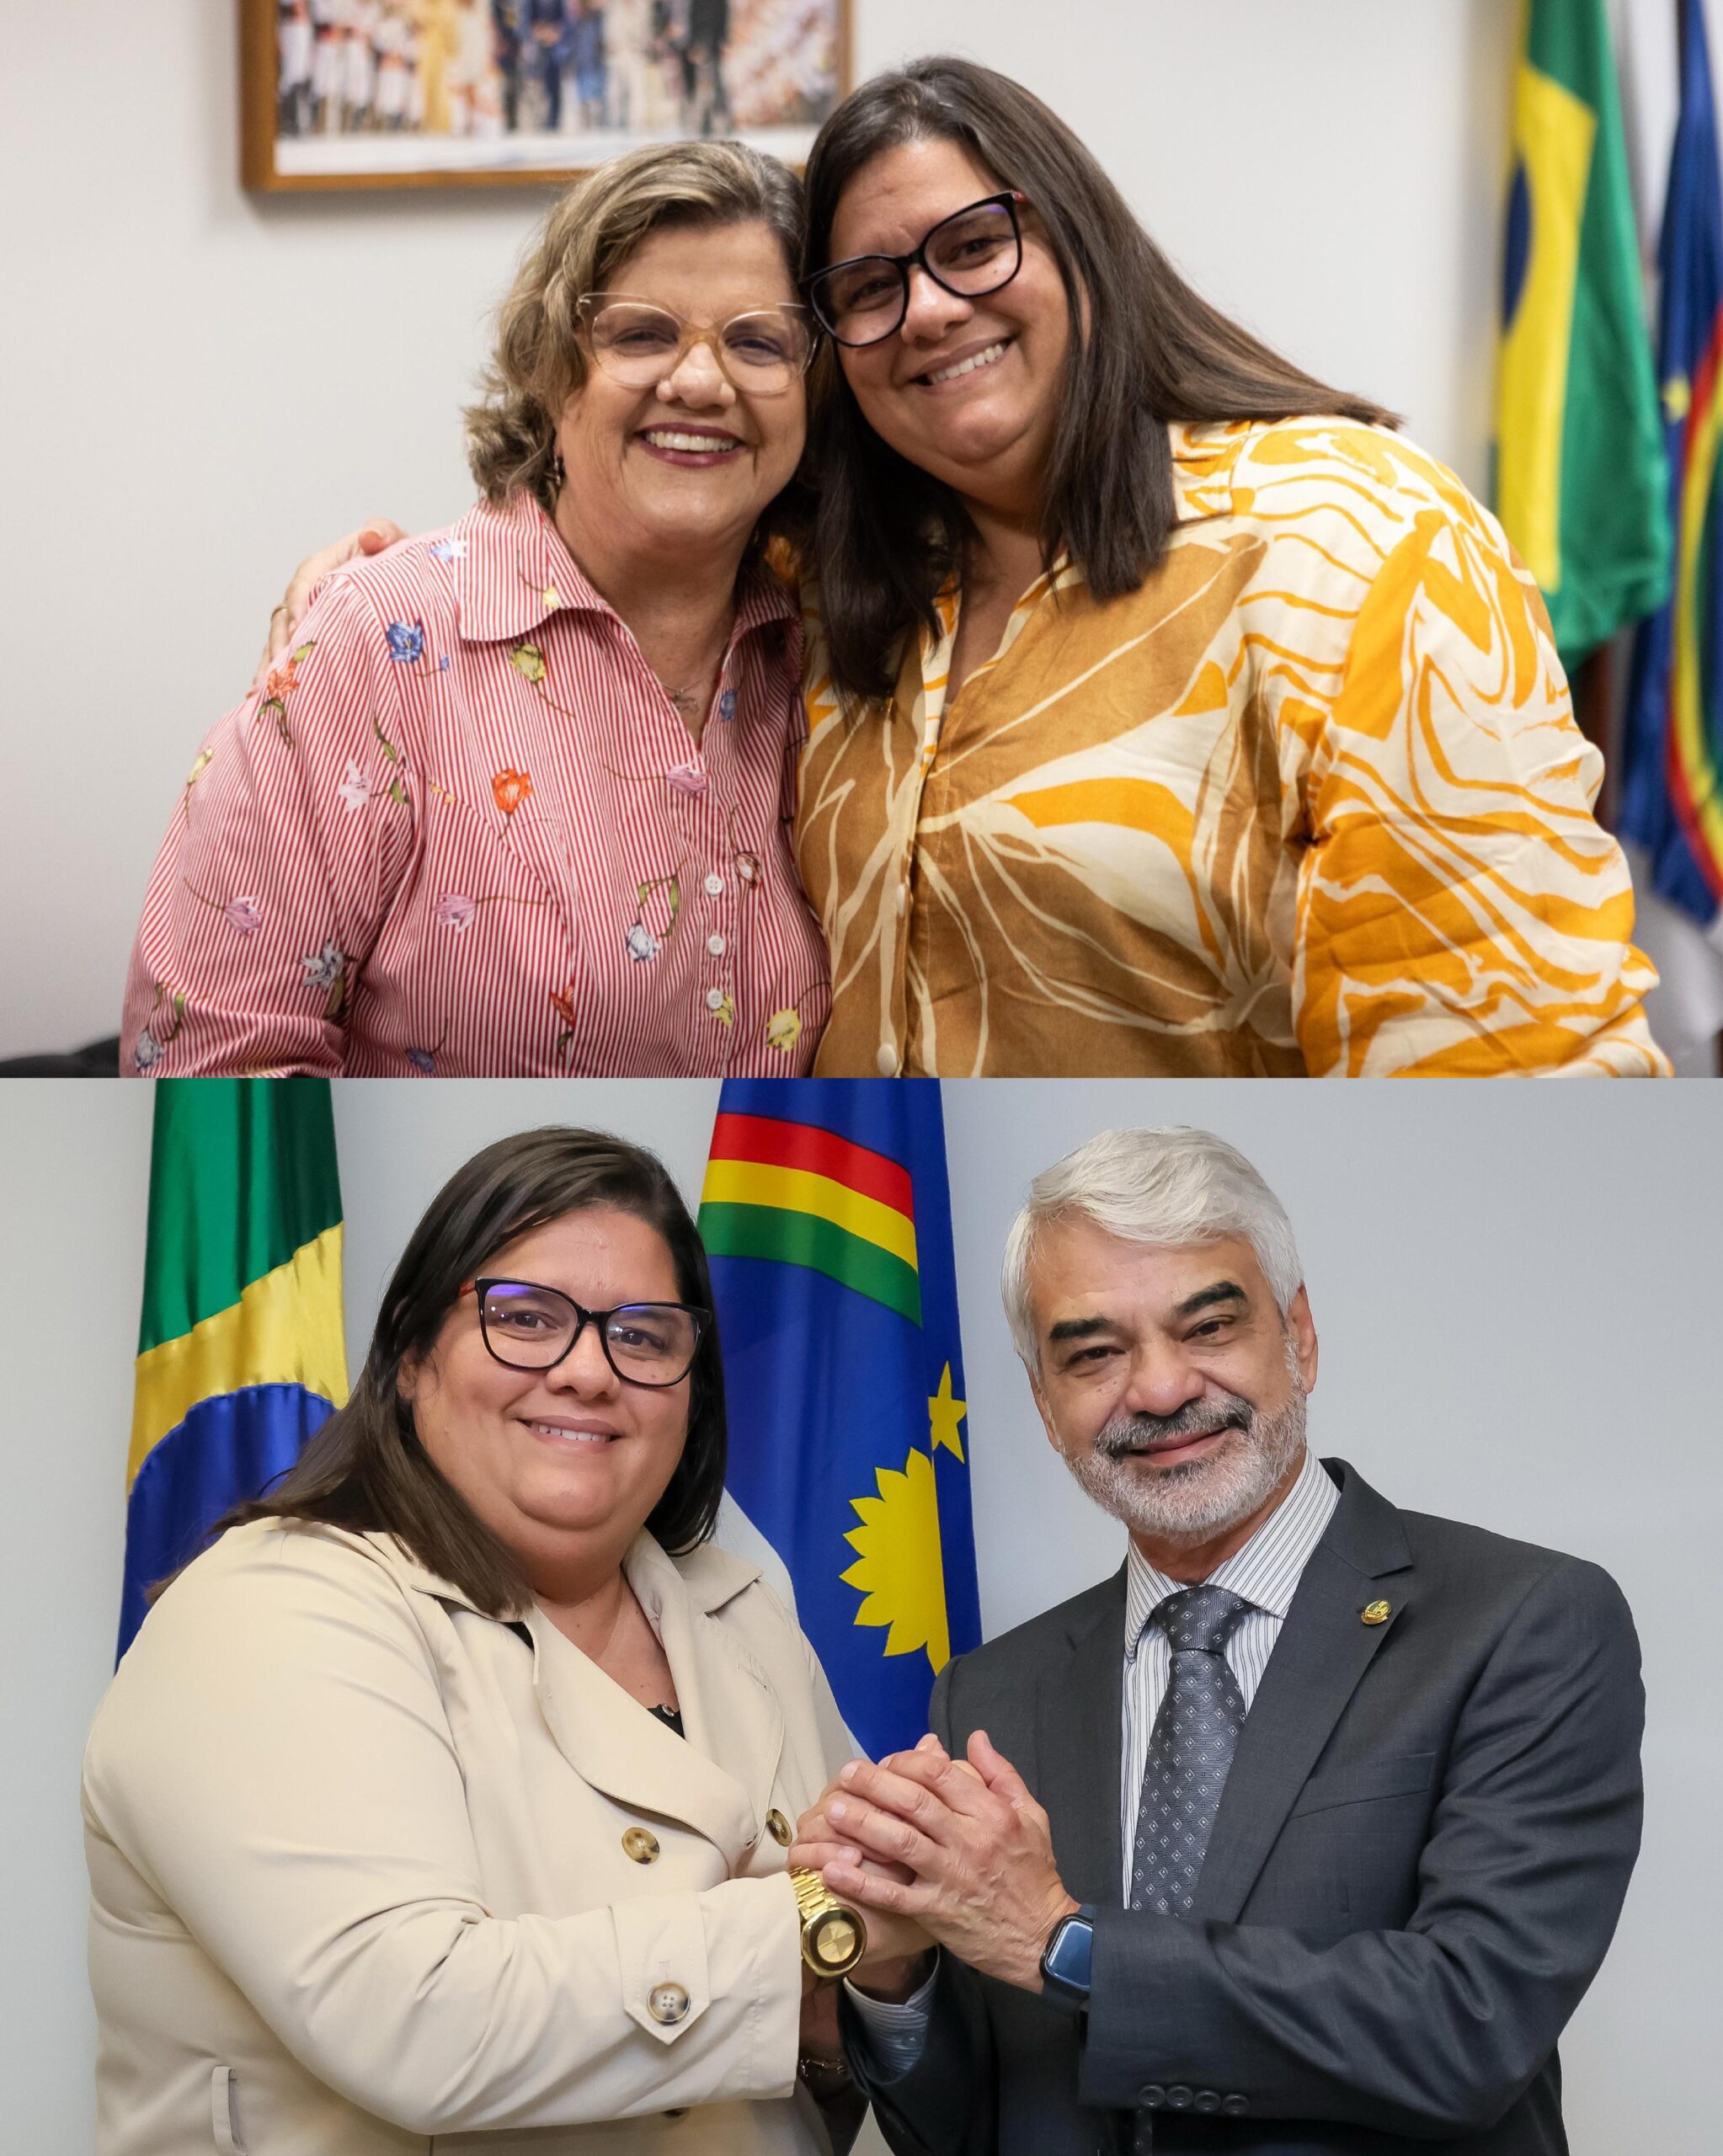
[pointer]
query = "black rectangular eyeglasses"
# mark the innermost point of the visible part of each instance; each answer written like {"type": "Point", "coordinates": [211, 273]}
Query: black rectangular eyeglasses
{"type": "Point", "coordinates": [975, 251]}
{"type": "Point", "coordinates": [528, 1327]}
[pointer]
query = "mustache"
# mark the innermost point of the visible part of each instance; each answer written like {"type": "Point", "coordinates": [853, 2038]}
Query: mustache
{"type": "Point", "coordinates": [1197, 1418]}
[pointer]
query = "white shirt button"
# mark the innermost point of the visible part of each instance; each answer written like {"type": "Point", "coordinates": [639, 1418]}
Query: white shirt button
{"type": "Point", "coordinates": [714, 999]}
{"type": "Point", "coordinates": [714, 886]}
{"type": "Point", "coordinates": [717, 946]}
{"type": "Point", "coordinates": [887, 1060]}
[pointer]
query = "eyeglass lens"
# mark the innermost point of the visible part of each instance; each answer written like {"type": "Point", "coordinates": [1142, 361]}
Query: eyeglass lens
{"type": "Point", "coordinates": [640, 346]}
{"type": "Point", "coordinates": [973, 252]}
{"type": "Point", "coordinates": [531, 1327]}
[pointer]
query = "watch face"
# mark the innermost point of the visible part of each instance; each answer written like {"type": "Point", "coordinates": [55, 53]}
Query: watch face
{"type": "Point", "coordinates": [837, 1940]}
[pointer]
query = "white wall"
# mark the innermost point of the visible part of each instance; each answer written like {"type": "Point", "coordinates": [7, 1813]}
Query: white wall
{"type": "Point", "coordinates": [1515, 1289]}
{"type": "Point", "coordinates": [199, 386]}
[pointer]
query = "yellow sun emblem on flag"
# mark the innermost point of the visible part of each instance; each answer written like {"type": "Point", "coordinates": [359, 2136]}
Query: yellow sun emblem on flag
{"type": "Point", "coordinates": [899, 1568]}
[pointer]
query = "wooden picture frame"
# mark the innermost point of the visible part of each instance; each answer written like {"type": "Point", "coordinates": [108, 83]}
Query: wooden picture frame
{"type": "Point", "coordinates": [341, 94]}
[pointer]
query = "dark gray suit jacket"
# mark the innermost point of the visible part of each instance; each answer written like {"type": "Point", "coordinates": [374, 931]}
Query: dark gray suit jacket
{"type": "Point", "coordinates": [1419, 1860]}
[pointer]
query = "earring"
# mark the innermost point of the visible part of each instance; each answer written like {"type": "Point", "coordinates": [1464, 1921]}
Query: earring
{"type": "Point", "coordinates": [559, 473]}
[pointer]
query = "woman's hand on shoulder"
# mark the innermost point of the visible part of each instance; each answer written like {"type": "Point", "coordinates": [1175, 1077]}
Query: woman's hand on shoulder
{"type": "Point", "coordinates": [370, 539]}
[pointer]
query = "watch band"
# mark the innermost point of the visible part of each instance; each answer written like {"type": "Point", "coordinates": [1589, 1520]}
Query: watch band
{"type": "Point", "coordinates": [834, 1937]}
{"type": "Point", "coordinates": [1067, 1958]}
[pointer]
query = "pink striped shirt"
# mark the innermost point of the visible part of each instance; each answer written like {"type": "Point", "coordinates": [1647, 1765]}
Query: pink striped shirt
{"type": "Point", "coordinates": [463, 832]}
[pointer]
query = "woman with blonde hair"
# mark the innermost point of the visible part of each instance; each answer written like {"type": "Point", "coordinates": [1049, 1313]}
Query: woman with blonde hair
{"type": "Point", "coordinates": [515, 798]}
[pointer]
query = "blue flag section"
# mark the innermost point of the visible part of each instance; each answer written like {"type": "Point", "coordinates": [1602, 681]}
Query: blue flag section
{"type": "Point", "coordinates": [1671, 800]}
{"type": "Point", "coordinates": [827, 1216]}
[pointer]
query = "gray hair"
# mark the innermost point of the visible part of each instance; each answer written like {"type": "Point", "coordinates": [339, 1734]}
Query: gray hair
{"type": "Point", "coordinates": [1169, 1185]}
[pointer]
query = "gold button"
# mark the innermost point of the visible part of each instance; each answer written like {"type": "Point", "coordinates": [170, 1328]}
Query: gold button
{"type": "Point", "coordinates": [640, 1844]}
{"type": "Point", "coordinates": [667, 2003]}
{"type": "Point", "coordinates": [779, 1828]}
{"type": "Point", "coordinates": [1378, 1613]}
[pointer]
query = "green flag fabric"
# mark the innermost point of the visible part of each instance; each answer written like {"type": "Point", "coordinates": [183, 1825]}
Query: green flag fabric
{"type": "Point", "coordinates": [1581, 481]}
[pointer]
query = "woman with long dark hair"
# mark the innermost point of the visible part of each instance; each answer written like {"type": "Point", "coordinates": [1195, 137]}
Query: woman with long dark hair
{"type": "Point", "coordinates": [447, 1793]}
{"type": "Point", "coordinates": [1169, 714]}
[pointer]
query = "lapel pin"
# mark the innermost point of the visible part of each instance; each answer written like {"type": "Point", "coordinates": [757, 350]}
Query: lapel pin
{"type": "Point", "coordinates": [1376, 1613]}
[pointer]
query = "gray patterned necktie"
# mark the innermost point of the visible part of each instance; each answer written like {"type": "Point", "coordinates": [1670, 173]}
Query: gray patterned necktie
{"type": "Point", "coordinates": [1189, 1749]}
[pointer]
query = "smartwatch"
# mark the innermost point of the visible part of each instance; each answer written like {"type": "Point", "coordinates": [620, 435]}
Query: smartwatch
{"type": "Point", "coordinates": [1066, 1958]}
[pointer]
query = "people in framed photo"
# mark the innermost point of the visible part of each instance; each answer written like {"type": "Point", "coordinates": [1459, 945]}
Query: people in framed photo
{"type": "Point", "coordinates": [402, 93]}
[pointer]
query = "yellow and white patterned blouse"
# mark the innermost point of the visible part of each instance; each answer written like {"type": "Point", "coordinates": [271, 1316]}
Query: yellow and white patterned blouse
{"type": "Point", "coordinates": [1311, 801]}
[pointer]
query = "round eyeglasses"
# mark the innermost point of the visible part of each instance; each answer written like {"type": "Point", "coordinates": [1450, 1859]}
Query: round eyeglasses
{"type": "Point", "coordinates": [762, 354]}
{"type": "Point", "coordinates": [972, 252]}
{"type": "Point", "coordinates": [529, 1327]}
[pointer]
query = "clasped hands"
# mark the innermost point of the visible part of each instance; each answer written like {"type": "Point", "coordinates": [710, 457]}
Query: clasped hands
{"type": "Point", "coordinates": [953, 1852]}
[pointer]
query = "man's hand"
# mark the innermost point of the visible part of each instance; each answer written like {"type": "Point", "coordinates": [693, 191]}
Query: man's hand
{"type": "Point", "coordinates": [370, 539]}
{"type": "Point", "coordinates": [897, 1959]}
{"type": "Point", "coordinates": [984, 1883]}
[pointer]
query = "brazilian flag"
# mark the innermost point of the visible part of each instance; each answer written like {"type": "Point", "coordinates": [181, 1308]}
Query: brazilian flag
{"type": "Point", "coordinates": [827, 1219]}
{"type": "Point", "coordinates": [1671, 799]}
{"type": "Point", "coordinates": [1580, 479]}
{"type": "Point", "coordinates": [241, 1351]}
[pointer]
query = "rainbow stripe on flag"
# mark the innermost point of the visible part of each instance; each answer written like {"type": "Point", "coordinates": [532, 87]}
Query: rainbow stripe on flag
{"type": "Point", "coordinates": [827, 1219]}
{"type": "Point", "coordinates": [806, 1196]}
{"type": "Point", "coordinates": [242, 1345]}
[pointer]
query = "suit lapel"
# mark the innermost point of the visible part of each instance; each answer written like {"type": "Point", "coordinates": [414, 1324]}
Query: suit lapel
{"type": "Point", "coordinates": [1078, 1741]}
{"type": "Point", "coordinates": [1323, 1651]}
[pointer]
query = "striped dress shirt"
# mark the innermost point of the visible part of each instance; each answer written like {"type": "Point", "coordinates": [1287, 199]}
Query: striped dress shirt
{"type": "Point", "coordinates": [463, 832]}
{"type": "Point", "coordinates": [1266, 1574]}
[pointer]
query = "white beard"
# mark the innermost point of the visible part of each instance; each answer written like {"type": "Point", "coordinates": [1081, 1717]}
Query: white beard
{"type": "Point", "coordinates": [1197, 1499]}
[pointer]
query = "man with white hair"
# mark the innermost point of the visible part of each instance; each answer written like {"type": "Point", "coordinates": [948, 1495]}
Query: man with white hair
{"type": "Point", "coordinates": [1306, 1831]}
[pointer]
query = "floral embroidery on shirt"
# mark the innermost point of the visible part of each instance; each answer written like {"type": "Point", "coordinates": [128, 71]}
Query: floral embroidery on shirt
{"type": "Point", "coordinates": [424, 1059]}
{"type": "Point", "coordinates": [639, 939]}
{"type": "Point", "coordinates": [783, 1029]}
{"type": "Point", "coordinates": [454, 909]}
{"type": "Point", "coordinates": [244, 914]}
{"type": "Point", "coordinates": [406, 642]}
{"type": "Point", "coordinates": [327, 971]}
{"type": "Point", "coordinates": [282, 682]}
{"type": "Point", "coordinates": [354, 788]}
{"type": "Point", "coordinates": [153, 1038]}
{"type": "Point", "coordinates": [528, 661]}
{"type": "Point", "coordinates": [562, 1003]}
{"type": "Point", "coordinates": [727, 704]}
{"type": "Point", "coordinates": [395, 790]}
{"type": "Point", "coordinates": [509, 789]}
{"type": "Point", "coordinates": [449, 550]}
{"type": "Point", "coordinates": [205, 757]}
{"type": "Point", "coordinates": [546, 593]}
{"type": "Point", "coordinates": [724, 1011]}
{"type": "Point", "coordinates": [687, 778]}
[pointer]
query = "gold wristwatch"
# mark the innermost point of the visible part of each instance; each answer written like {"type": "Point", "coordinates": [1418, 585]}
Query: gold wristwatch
{"type": "Point", "coordinates": [834, 1937]}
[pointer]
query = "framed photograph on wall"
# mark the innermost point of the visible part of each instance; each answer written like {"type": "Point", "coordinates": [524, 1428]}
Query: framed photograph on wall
{"type": "Point", "coordinates": [363, 93]}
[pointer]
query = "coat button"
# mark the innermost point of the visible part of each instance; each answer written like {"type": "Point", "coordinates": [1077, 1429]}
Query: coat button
{"type": "Point", "coordinates": [779, 1828]}
{"type": "Point", "coordinates": [1153, 2097]}
{"type": "Point", "coordinates": [640, 1844]}
{"type": "Point", "coordinates": [1235, 2107]}
{"type": "Point", "coordinates": [1179, 2098]}
{"type": "Point", "coordinates": [667, 2003]}
{"type": "Point", "coordinates": [886, 1062]}
{"type": "Point", "coordinates": [1207, 2100]}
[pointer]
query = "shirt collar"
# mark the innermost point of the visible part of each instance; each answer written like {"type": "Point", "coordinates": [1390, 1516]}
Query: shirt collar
{"type": "Point", "coordinates": [511, 572]}
{"type": "Point", "coordinates": [1265, 1573]}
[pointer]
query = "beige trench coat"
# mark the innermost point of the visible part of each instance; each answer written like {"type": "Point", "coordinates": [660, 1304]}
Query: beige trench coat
{"type": "Point", "coordinates": [359, 1872]}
